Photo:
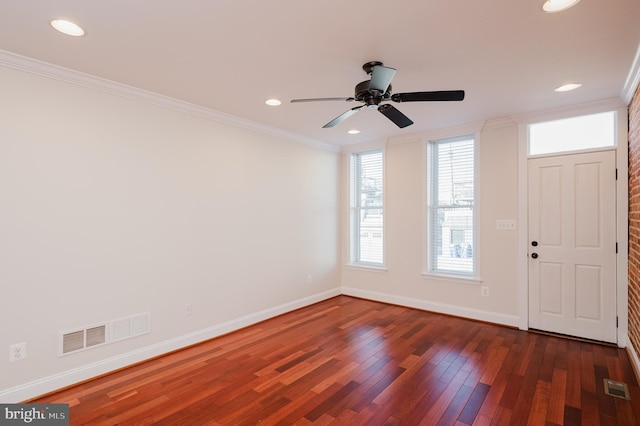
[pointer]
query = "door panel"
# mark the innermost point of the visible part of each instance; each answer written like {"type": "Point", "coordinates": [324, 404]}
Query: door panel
{"type": "Point", "coordinates": [589, 288]}
{"type": "Point", "coordinates": [550, 288]}
{"type": "Point", "coordinates": [572, 265]}
{"type": "Point", "coordinates": [587, 196]}
{"type": "Point", "coordinates": [550, 209]}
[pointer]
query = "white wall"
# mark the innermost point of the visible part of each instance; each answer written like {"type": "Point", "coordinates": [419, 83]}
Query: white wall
{"type": "Point", "coordinates": [403, 280]}
{"type": "Point", "coordinates": [111, 207]}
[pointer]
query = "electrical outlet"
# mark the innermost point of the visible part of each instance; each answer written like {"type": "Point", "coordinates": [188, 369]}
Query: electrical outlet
{"type": "Point", "coordinates": [484, 291]}
{"type": "Point", "coordinates": [17, 352]}
{"type": "Point", "coordinates": [188, 310]}
{"type": "Point", "coordinates": [309, 279]}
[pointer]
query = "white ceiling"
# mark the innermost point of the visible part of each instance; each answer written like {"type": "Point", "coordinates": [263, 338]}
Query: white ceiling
{"type": "Point", "coordinates": [231, 55]}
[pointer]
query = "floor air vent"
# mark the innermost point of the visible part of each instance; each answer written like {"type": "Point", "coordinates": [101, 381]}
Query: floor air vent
{"type": "Point", "coordinates": [617, 389]}
{"type": "Point", "coordinates": [111, 331]}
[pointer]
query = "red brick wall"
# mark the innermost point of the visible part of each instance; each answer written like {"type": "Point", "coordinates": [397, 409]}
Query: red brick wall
{"type": "Point", "coordinates": [634, 221]}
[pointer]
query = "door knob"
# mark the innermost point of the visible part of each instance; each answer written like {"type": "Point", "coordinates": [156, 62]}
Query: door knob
{"type": "Point", "coordinates": [534, 255]}
{"type": "Point", "coordinates": [534, 243]}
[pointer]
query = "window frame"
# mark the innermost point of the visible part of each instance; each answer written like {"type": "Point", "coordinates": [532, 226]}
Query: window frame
{"type": "Point", "coordinates": [612, 113]}
{"type": "Point", "coordinates": [429, 268]}
{"type": "Point", "coordinates": [356, 208]}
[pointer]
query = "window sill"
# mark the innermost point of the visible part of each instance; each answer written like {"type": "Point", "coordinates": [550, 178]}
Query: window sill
{"type": "Point", "coordinates": [460, 279]}
{"type": "Point", "coordinates": [370, 268]}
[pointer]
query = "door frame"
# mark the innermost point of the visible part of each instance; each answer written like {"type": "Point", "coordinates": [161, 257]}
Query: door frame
{"type": "Point", "coordinates": [622, 205]}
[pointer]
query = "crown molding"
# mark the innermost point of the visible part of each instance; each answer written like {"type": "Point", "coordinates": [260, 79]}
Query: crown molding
{"type": "Point", "coordinates": [452, 132]}
{"type": "Point", "coordinates": [633, 80]}
{"type": "Point", "coordinates": [402, 139]}
{"type": "Point", "coordinates": [66, 75]}
{"type": "Point", "coordinates": [498, 123]}
{"type": "Point", "coordinates": [364, 146]}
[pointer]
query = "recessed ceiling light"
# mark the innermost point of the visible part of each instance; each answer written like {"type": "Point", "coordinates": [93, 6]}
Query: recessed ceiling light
{"type": "Point", "coordinates": [67, 27]}
{"type": "Point", "coordinates": [272, 102]}
{"type": "Point", "coordinates": [568, 87]}
{"type": "Point", "coordinates": [552, 6]}
{"type": "Point", "coordinates": [353, 131]}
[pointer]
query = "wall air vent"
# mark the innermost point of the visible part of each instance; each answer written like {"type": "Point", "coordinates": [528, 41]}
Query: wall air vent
{"type": "Point", "coordinates": [94, 335]}
{"type": "Point", "coordinates": [73, 341]}
{"type": "Point", "coordinates": [81, 339]}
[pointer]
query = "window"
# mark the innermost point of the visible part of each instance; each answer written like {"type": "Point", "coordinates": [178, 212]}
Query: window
{"type": "Point", "coordinates": [451, 165]}
{"type": "Point", "coordinates": [572, 134]}
{"type": "Point", "coordinates": [367, 235]}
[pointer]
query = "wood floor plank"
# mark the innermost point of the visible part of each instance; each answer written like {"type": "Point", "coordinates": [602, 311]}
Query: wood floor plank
{"type": "Point", "coordinates": [335, 403]}
{"type": "Point", "coordinates": [555, 412]}
{"type": "Point", "coordinates": [502, 417]}
{"type": "Point", "coordinates": [431, 414]}
{"type": "Point", "coordinates": [574, 375]}
{"type": "Point", "coordinates": [590, 409]}
{"type": "Point", "coordinates": [348, 361]}
{"type": "Point", "coordinates": [502, 378]}
{"type": "Point", "coordinates": [588, 383]}
{"type": "Point", "coordinates": [540, 403]}
{"type": "Point", "coordinates": [530, 383]}
{"type": "Point", "coordinates": [456, 406]}
{"type": "Point", "coordinates": [472, 407]}
{"type": "Point", "coordinates": [374, 385]}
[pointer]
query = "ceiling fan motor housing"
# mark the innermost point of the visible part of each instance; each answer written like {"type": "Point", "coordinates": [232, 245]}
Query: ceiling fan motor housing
{"type": "Point", "coordinates": [368, 97]}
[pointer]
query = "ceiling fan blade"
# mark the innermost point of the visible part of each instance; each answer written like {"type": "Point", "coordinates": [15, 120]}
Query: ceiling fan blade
{"type": "Point", "coordinates": [342, 117]}
{"type": "Point", "coordinates": [381, 78]}
{"type": "Point", "coordinates": [393, 114]}
{"type": "Point", "coordinates": [443, 95]}
{"type": "Point", "coordinates": [293, 101]}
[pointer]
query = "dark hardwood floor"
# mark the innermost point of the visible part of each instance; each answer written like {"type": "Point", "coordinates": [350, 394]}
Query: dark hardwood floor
{"type": "Point", "coordinates": [348, 361]}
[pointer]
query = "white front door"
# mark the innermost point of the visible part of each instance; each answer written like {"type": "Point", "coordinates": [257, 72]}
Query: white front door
{"type": "Point", "coordinates": [572, 245]}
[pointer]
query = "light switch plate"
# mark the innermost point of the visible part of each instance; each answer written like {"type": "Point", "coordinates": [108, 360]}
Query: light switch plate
{"type": "Point", "coordinates": [505, 225]}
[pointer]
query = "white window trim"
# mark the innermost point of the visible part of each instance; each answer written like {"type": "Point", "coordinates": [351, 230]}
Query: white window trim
{"type": "Point", "coordinates": [349, 261]}
{"type": "Point", "coordinates": [579, 150]}
{"type": "Point", "coordinates": [459, 279]}
{"type": "Point", "coordinates": [371, 268]}
{"type": "Point", "coordinates": [474, 278]}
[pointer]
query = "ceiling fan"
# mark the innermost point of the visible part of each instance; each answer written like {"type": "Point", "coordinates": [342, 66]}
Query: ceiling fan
{"type": "Point", "coordinates": [372, 93]}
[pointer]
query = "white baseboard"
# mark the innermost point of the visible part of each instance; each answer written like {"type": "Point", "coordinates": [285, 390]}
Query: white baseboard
{"type": "Point", "coordinates": [459, 311]}
{"type": "Point", "coordinates": [633, 357]}
{"type": "Point", "coordinates": [57, 381]}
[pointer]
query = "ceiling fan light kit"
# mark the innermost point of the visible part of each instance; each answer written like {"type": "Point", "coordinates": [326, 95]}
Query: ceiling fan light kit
{"type": "Point", "coordinates": [372, 93]}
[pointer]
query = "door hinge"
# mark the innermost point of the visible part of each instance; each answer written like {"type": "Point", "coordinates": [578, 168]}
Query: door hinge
{"type": "Point", "coordinates": [616, 322]}
{"type": "Point", "coordinates": [616, 174]}
{"type": "Point", "coordinates": [616, 248]}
